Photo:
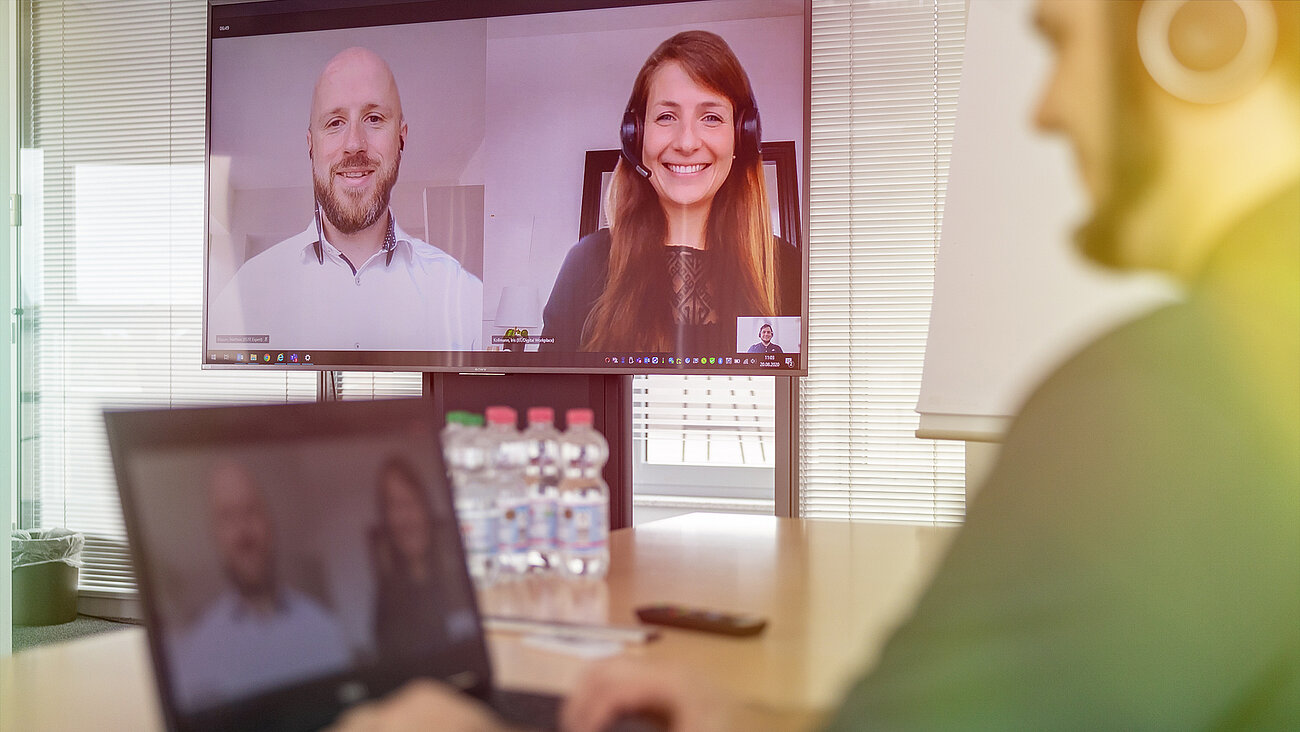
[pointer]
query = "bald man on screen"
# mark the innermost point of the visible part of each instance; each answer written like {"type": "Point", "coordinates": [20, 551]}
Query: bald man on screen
{"type": "Point", "coordinates": [353, 279]}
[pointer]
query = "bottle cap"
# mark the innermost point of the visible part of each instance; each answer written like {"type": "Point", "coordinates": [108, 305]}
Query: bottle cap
{"type": "Point", "coordinates": [579, 415]}
{"type": "Point", "coordinates": [541, 414]}
{"type": "Point", "coordinates": [464, 418]}
{"type": "Point", "coordinates": [501, 415]}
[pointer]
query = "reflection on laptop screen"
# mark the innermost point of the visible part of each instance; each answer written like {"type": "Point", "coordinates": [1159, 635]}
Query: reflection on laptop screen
{"type": "Point", "coordinates": [274, 562]}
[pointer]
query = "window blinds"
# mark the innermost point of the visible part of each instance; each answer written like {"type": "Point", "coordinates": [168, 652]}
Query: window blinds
{"type": "Point", "coordinates": [365, 385]}
{"type": "Point", "coordinates": [115, 135]}
{"type": "Point", "coordinates": [885, 77]}
{"type": "Point", "coordinates": [705, 420]}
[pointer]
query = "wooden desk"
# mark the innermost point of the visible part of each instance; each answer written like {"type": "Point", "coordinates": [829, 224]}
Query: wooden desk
{"type": "Point", "coordinates": [832, 592]}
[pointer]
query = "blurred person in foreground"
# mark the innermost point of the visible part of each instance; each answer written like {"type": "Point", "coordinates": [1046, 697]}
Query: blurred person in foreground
{"type": "Point", "coordinates": [1133, 561]}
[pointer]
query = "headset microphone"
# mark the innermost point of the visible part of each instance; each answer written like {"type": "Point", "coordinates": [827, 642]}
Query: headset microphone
{"type": "Point", "coordinates": [318, 246]}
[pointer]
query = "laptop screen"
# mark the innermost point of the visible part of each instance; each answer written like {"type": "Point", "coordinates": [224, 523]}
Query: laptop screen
{"type": "Point", "coordinates": [294, 555]}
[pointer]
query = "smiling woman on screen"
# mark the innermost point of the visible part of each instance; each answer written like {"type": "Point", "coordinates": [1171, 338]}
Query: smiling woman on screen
{"type": "Point", "coordinates": [690, 247]}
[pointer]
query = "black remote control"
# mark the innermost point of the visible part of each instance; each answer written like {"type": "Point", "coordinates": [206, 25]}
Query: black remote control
{"type": "Point", "coordinates": [709, 621]}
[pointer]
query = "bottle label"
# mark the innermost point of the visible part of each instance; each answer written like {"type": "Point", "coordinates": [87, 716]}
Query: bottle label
{"type": "Point", "coordinates": [513, 529]}
{"type": "Point", "coordinates": [583, 527]}
{"type": "Point", "coordinates": [542, 533]}
{"type": "Point", "coordinates": [479, 532]}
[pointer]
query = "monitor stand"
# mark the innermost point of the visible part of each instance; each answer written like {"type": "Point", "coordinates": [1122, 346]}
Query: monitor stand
{"type": "Point", "coordinates": [609, 396]}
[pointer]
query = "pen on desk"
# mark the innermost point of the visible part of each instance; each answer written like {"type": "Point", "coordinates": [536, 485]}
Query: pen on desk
{"type": "Point", "coordinates": [621, 633]}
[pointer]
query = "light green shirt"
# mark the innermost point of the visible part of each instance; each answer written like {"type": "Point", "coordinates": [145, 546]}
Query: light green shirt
{"type": "Point", "coordinates": [1133, 561]}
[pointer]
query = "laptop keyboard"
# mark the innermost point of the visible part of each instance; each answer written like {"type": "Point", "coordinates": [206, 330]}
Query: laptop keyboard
{"type": "Point", "coordinates": [541, 712]}
{"type": "Point", "coordinates": [534, 711]}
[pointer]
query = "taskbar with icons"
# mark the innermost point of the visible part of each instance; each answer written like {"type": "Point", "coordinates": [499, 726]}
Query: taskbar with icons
{"type": "Point", "coordinates": [508, 361]}
{"type": "Point", "coordinates": [759, 360]}
{"type": "Point", "coordinates": [261, 358]}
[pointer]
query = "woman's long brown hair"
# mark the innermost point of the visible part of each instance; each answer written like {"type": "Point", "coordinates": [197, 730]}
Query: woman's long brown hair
{"type": "Point", "coordinates": [634, 312]}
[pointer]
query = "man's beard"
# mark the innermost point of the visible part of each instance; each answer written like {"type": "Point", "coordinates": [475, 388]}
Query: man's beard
{"type": "Point", "coordinates": [1131, 171]}
{"type": "Point", "coordinates": [260, 585]}
{"type": "Point", "coordinates": [349, 211]}
{"type": "Point", "coordinates": [1134, 153]}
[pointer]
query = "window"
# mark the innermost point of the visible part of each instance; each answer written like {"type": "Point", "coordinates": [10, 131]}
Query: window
{"type": "Point", "coordinates": [111, 254]}
{"type": "Point", "coordinates": [378, 384]}
{"type": "Point", "coordinates": [702, 443]}
{"type": "Point", "coordinates": [885, 78]}
{"type": "Point", "coordinates": [112, 247]}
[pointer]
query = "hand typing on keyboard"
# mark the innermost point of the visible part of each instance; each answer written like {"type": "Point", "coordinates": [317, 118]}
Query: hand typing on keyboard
{"type": "Point", "coordinates": [422, 704]}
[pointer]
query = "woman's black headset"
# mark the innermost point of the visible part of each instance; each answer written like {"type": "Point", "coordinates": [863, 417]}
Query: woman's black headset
{"type": "Point", "coordinates": [749, 136]}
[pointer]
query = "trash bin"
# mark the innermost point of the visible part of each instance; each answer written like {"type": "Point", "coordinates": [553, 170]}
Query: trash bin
{"type": "Point", "coordinates": [45, 570]}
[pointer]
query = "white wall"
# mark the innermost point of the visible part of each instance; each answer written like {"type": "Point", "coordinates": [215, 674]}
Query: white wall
{"type": "Point", "coordinates": [558, 89]}
{"type": "Point", "coordinates": [1012, 297]}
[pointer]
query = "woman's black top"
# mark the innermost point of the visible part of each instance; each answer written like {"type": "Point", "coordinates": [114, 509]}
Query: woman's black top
{"type": "Point", "coordinates": [585, 271]}
{"type": "Point", "coordinates": [408, 616]}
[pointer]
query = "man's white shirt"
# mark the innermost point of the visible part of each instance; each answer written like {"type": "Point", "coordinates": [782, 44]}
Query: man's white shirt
{"type": "Point", "coordinates": [232, 652]}
{"type": "Point", "coordinates": [423, 300]}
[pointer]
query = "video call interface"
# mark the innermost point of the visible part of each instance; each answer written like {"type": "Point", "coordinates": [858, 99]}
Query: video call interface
{"type": "Point", "coordinates": [448, 189]}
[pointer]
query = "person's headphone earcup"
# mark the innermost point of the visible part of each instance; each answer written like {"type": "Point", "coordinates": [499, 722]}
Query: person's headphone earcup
{"type": "Point", "coordinates": [629, 134]}
{"type": "Point", "coordinates": [1206, 53]}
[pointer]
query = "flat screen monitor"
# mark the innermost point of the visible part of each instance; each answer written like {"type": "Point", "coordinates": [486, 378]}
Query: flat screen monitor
{"type": "Point", "coordinates": [599, 186]}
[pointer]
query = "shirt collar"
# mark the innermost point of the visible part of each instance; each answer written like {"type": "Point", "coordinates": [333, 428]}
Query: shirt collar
{"type": "Point", "coordinates": [241, 611]}
{"type": "Point", "coordinates": [391, 237]}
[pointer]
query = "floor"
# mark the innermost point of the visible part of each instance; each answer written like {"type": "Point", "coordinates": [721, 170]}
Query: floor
{"type": "Point", "coordinates": [30, 636]}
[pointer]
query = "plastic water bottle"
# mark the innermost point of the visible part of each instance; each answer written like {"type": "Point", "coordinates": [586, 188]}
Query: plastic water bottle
{"type": "Point", "coordinates": [459, 423]}
{"type": "Point", "coordinates": [508, 456]}
{"type": "Point", "coordinates": [584, 499]}
{"type": "Point", "coordinates": [542, 478]}
{"type": "Point", "coordinates": [474, 490]}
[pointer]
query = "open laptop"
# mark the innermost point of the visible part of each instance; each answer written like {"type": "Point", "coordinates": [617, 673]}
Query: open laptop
{"type": "Point", "coordinates": [275, 548]}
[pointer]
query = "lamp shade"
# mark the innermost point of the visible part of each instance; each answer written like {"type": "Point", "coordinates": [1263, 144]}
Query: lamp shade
{"type": "Point", "coordinates": [519, 307]}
